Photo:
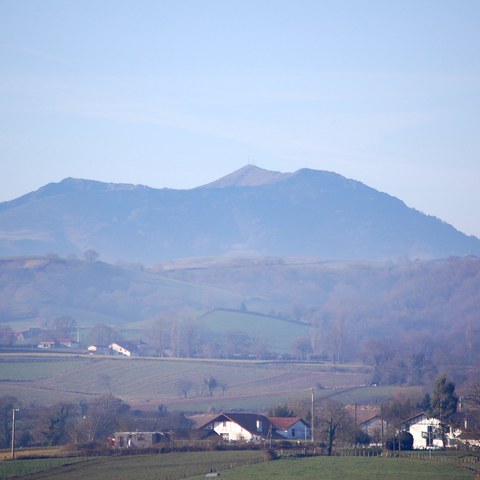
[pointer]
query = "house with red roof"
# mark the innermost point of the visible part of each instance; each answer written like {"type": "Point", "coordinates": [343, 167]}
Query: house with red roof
{"type": "Point", "coordinates": [254, 427]}
{"type": "Point", "coordinates": [291, 428]}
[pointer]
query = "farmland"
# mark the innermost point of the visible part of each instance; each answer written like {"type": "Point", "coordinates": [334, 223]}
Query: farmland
{"type": "Point", "coordinates": [235, 465]}
{"type": "Point", "coordinates": [349, 468]}
{"type": "Point", "coordinates": [141, 467]}
{"type": "Point", "coordinates": [277, 333]}
{"type": "Point", "coordinates": [148, 382]}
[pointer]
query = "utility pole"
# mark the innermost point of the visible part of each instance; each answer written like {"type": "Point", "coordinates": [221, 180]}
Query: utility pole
{"type": "Point", "coordinates": [381, 418]}
{"type": "Point", "coordinates": [313, 418]}
{"type": "Point", "coordinates": [14, 410]}
{"type": "Point", "coordinates": [355, 424]}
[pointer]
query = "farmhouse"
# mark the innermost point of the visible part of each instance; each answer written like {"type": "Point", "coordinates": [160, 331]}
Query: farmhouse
{"type": "Point", "coordinates": [291, 428]}
{"type": "Point", "coordinates": [129, 349]}
{"type": "Point", "coordinates": [426, 432]}
{"type": "Point", "coordinates": [253, 427]}
{"type": "Point", "coordinates": [47, 344]}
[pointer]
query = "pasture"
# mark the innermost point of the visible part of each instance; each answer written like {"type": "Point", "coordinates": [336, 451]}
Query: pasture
{"type": "Point", "coordinates": [141, 467]}
{"type": "Point", "coordinates": [277, 333]}
{"type": "Point", "coordinates": [236, 465]}
{"type": "Point", "coordinates": [350, 468]}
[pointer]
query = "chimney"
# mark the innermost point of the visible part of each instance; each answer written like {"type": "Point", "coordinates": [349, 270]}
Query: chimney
{"type": "Point", "coordinates": [259, 425]}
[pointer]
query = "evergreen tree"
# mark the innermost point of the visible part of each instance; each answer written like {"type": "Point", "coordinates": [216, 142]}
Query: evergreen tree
{"type": "Point", "coordinates": [444, 403]}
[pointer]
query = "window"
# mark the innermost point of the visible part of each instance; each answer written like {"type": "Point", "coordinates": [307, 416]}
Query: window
{"type": "Point", "coordinates": [293, 432]}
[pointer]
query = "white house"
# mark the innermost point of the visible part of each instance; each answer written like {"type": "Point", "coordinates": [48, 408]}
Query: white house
{"type": "Point", "coordinates": [426, 432]}
{"type": "Point", "coordinates": [129, 349]}
{"type": "Point", "coordinates": [253, 427]}
{"type": "Point", "coordinates": [292, 428]}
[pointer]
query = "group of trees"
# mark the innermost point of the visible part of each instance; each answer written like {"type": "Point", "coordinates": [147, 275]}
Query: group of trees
{"type": "Point", "coordinates": [205, 388]}
{"type": "Point", "coordinates": [189, 339]}
{"type": "Point", "coordinates": [334, 422]}
{"type": "Point", "coordinates": [82, 423]}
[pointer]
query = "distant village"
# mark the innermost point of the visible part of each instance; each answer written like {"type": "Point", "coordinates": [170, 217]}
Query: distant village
{"type": "Point", "coordinates": [47, 339]}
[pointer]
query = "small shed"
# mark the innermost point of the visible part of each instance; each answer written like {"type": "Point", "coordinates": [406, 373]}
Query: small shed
{"type": "Point", "coordinates": [137, 439]}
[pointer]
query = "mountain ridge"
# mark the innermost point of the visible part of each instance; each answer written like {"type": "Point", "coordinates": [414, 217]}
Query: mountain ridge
{"type": "Point", "coordinates": [307, 213]}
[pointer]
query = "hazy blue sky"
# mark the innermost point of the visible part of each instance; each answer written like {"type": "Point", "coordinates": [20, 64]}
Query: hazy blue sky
{"type": "Point", "coordinates": [178, 93]}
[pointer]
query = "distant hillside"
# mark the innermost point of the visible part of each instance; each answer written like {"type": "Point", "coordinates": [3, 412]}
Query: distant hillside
{"type": "Point", "coordinates": [333, 310]}
{"type": "Point", "coordinates": [275, 334]}
{"type": "Point", "coordinates": [35, 290]}
{"type": "Point", "coordinates": [308, 213]}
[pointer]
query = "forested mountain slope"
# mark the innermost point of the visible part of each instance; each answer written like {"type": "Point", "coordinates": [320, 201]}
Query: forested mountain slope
{"type": "Point", "coordinates": [251, 211]}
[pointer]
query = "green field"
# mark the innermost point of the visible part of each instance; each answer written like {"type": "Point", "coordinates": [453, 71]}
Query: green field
{"type": "Point", "coordinates": [138, 467]}
{"type": "Point", "coordinates": [278, 334]}
{"type": "Point", "coordinates": [237, 465]}
{"type": "Point", "coordinates": [21, 468]}
{"type": "Point", "coordinates": [350, 468]}
{"type": "Point", "coordinates": [149, 382]}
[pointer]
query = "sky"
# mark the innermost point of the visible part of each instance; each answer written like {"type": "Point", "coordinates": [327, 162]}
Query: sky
{"type": "Point", "coordinates": [178, 93]}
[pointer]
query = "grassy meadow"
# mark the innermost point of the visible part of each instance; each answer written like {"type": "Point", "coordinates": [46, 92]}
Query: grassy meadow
{"type": "Point", "coordinates": [277, 333]}
{"type": "Point", "coordinates": [141, 467]}
{"type": "Point", "coordinates": [350, 468]}
{"type": "Point", "coordinates": [236, 465]}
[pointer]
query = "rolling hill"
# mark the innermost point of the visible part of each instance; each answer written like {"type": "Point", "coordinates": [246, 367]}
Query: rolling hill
{"type": "Point", "coordinates": [307, 213]}
{"type": "Point", "coordinates": [148, 382]}
{"type": "Point", "coordinates": [263, 308]}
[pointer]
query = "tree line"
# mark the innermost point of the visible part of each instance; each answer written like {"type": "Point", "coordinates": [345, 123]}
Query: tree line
{"type": "Point", "coordinates": [85, 423]}
{"type": "Point", "coordinates": [90, 422]}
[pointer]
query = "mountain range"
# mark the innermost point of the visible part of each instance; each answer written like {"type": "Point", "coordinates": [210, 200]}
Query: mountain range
{"type": "Point", "coordinates": [252, 211]}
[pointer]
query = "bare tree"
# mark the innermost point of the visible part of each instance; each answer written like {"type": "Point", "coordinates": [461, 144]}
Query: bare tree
{"type": "Point", "coordinates": [332, 417]}
{"type": "Point", "coordinates": [102, 417]}
{"type": "Point", "coordinates": [211, 383]}
{"type": "Point", "coordinates": [236, 342]}
{"type": "Point", "coordinates": [192, 339]}
{"type": "Point", "coordinates": [57, 428]}
{"type": "Point", "coordinates": [158, 335]}
{"type": "Point", "coordinates": [7, 335]}
{"type": "Point", "coordinates": [184, 386]}
{"type": "Point", "coordinates": [303, 348]}
{"type": "Point", "coordinates": [338, 338]}
{"type": "Point", "coordinates": [64, 326]}
{"type": "Point", "coordinates": [102, 334]}
{"type": "Point", "coordinates": [473, 409]}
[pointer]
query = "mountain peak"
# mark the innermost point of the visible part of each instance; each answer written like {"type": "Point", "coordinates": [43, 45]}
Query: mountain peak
{"type": "Point", "coordinates": [248, 176]}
